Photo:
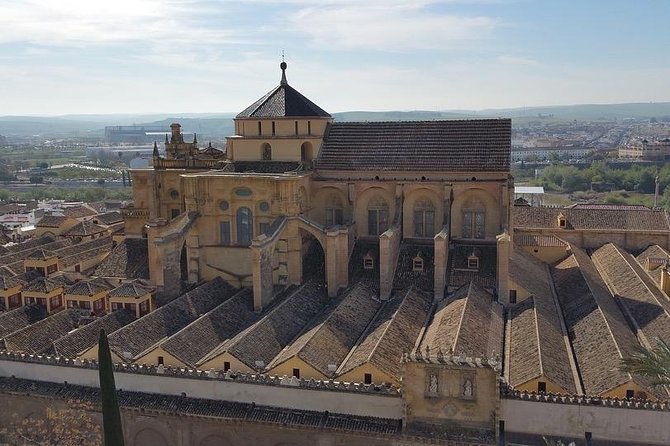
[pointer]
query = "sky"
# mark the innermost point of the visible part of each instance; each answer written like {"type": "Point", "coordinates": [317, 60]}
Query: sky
{"type": "Point", "coordinates": [192, 56]}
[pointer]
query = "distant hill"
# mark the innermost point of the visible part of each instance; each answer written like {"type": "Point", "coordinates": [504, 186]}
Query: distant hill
{"type": "Point", "coordinates": [219, 125]}
{"type": "Point", "coordinates": [587, 112]}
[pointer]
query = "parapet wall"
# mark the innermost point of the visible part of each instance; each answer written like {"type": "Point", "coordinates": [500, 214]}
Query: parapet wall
{"type": "Point", "coordinates": [331, 396]}
{"type": "Point", "coordinates": [568, 417]}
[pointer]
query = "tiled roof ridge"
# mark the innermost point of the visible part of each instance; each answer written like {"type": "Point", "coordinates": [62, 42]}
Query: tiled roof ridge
{"type": "Point", "coordinates": [324, 324]}
{"type": "Point", "coordinates": [422, 121]}
{"type": "Point", "coordinates": [243, 335]}
{"type": "Point", "coordinates": [640, 335]}
{"type": "Point", "coordinates": [472, 289]}
{"type": "Point", "coordinates": [232, 300]}
{"type": "Point", "coordinates": [645, 278]}
{"type": "Point", "coordinates": [590, 286]}
{"type": "Point", "coordinates": [537, 336]}
{"type": "Point", "coordinates": [391, 320]}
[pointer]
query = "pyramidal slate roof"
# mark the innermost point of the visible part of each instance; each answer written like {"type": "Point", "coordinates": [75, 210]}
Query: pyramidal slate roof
{"type": "Point", "coordinates": [472, 145]}
{"type": "Point", "coordinates": [283, 101]}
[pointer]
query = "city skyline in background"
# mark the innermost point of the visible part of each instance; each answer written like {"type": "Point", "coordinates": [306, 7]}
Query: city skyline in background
{"type": "Point", "coordinates": [147, 56]}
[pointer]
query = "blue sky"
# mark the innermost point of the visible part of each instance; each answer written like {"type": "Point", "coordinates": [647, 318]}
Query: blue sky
{"type": "Point", "coordinates": [144, 56]}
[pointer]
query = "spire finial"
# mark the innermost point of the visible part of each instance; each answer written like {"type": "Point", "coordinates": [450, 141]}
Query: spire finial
{"type": "Point", "coordinates": [195, 138]}
{"type": "Point", "coordinates": [283, 65]}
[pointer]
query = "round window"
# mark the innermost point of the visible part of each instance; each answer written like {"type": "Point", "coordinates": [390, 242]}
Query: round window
{"type": "Point", "coordinates": [243, 192]}
{"type": "Point", "coordinates": [174, 194]}
{"type": "Point", "coordinates": [224, 205]}
{"type": "Point", "coordinates": [264, 206]}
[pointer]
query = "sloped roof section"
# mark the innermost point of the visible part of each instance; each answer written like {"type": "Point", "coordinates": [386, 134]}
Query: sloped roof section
{"type": "Point", "coordinates": [532, 217]}
{"type": "Point", "coordinates": [329, 338]}
{"type": "Point", "coordinates": [452, 146]}
{"type": "Point", "coordinates": [19, 318]}
{"type": "Point", "coordinates": [393, 332]}
{"type": "Point", "coordinates": [77, 342]}
{"type": "Point", "coordinates": [38, 337]}
{"type": "Point", "coordinates": [212, 329]}
{"type": "Point", "coordinates": [283, 101]}
{"type": "Point", "coordinates": [467, 323]}
{"type": "Point", "coordinates": [128, 259]}
{"type": "Point", "coordinates": [145, 333]}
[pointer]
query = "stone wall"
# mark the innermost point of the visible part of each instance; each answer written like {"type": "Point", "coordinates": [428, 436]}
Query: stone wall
{"type": "Point", "coordinates": [354, 399]}
{"type": "Point", "coordinates": [616, 421]}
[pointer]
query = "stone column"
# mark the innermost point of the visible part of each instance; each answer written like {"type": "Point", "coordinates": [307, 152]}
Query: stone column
{"type": "Point", "coordinates": [504, 250]}
{"type": "Point", "coordinates": [389, 247]}
{"type": "Point", "coordinates": [441, 256]}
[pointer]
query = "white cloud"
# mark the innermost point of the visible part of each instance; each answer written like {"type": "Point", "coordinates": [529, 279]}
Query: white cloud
{"type": "Point", "coordinates": [389, 26]}
{"type": "Point", "coordinates": [86, 22]}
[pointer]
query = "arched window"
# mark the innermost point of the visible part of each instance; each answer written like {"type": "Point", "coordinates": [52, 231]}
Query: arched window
{"type": "Point", "coordinates": [474, 220]}
{"type": "Point", "coordinates": [334, 211]}
{"type": "Point", "coordinates": [266, 152]}
{"type": "Point", "coordinates": [378, 216]}
{"type": "Point", "coordinates": [424, 218]}
{"type": "Point", "coordinates": [245, 225]}
{"type": "Point", "coordinates": [306, 154]}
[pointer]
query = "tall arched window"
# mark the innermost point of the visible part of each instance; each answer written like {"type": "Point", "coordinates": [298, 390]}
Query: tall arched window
{"type": "Point", "coordinates": [245, 225]}
{"type": "Point", "coordinates": [424, 218]}
{"type": "Point", "coordinates": [378, 216]}
{"type": "Point", "coordinates": [474, 220]}
{"type": "Point", "coordinates": [306, 152]}
{"type": "Point", "coordinates": [266, 152]}
{"type": "Point", "coordinates": [334, 211]}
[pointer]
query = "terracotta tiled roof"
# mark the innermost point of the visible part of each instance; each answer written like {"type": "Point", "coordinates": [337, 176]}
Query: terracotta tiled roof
{"type": "Point", "coordinates": [84, 250]}
{"type": "Point", "coordinates": [522, 239]}
{"type": "Point", "coordinates": [466, 323]}
{"type": "Point", "coordinates": [616, 207]}
{"type": "Point", "coordinates": [31, 243]}
{"type": "Point", "coordinates": [79, 211]}
{"type": "Point", "coordinates": [597, 328]}
{"type": "Point", "coordinates": [208, 332]}
{"type": "Point", "coordinates": [327, 340]}
{"type": "Point", "coordinates": [393, 332]}
{"type": "Point", "coordinates": [84, 228]}
{"type": "Point", "coordinates": [41, 254]}
{"type": "Point", "coordinates": [7, 282]}
{"type": "Point", "coordinates": [537, 345]}
{"type": "Point", "coordinates": [19, 318]}
{"type": "Point", "coordinates": [87, 287]}
{"type": "Point", "coordinates": [77, 342]}
{"type": "Point", "coordinates": [45, 284]}
{"type": "Point", "coordinates": [634, 220]}
{"type": "Point", "coordinates": [427, 146]}
{"type": "Point", "coordinates": [265, 339]}
{"type": "Point", "coordinates": [145, 333]}
{"type": "Point", "coordinates": [51, 221]}
{"type": "Point", "coordinates": [636, 291]}
{"type": "Point", "coordinates": [283, 101]}
{"type": "Point", "coordinates": [129, 259]}
{"type": "Point", "coordinates": [657, 257]}
{"type": "Point", "coordinates": [133, 288]}
{"type": "Point", "coordinates": [109, 218]}
{"type": "Point", "coordinates": [38, 337]}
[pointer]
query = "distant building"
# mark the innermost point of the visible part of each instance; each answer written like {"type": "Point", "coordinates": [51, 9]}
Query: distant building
{"type": "Point", "coordinates": [647, 150]}
{"type": "Point", "coordinates": [133, 134]}
{"type": "Point", "coordinates": [544, 153]}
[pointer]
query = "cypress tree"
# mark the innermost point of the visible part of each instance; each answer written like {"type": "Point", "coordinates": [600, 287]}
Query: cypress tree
{"type": "Point", "coordinates": [111, 415]}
